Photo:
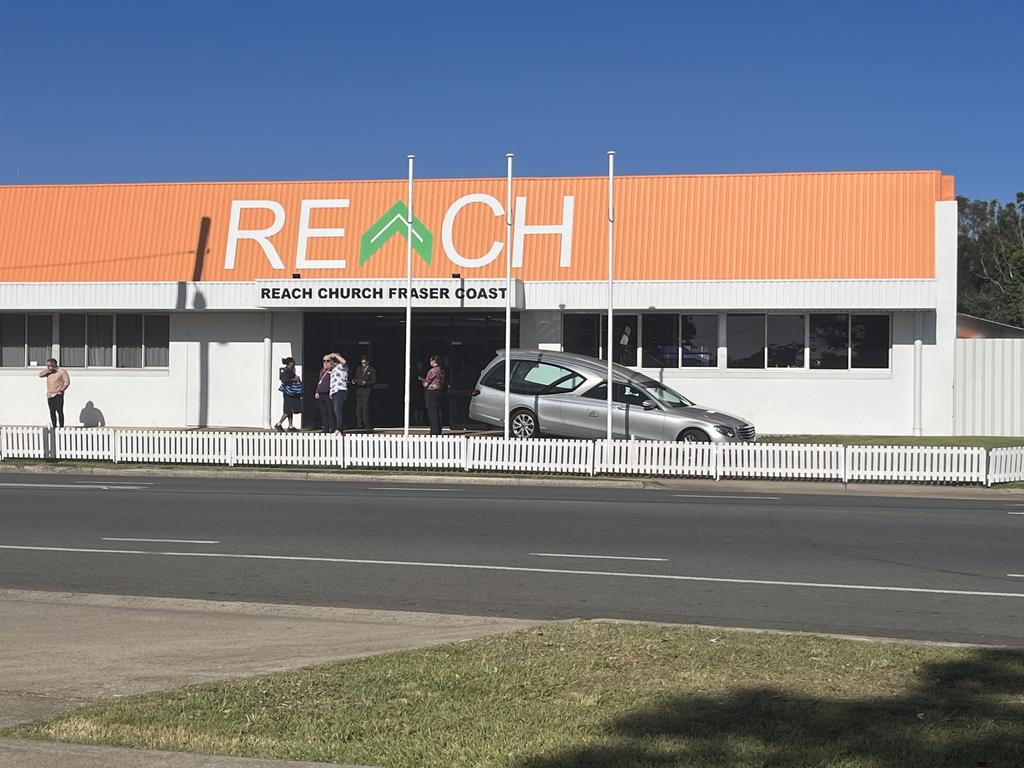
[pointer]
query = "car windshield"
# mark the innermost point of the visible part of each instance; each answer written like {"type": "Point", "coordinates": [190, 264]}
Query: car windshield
{"type": "Point", "coordinates": [664, 395]}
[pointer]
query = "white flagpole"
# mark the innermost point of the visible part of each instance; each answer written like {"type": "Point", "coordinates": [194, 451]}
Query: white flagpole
{"type": "Point", "coordinates": [611, 268]}
{"type": "Point", "coordinates": [508, 291]}
{"type": "Point", "coordinates": [408, 303]}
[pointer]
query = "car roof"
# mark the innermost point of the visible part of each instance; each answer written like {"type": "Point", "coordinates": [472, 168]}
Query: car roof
{"type": "Point", "coordinates": [590, 364]}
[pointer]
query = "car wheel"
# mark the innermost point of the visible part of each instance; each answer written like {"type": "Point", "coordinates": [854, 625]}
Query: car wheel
{"type": "Point", "coordinates": [694, 436]}
{"type": "Point", "coordinates": [523, 424]}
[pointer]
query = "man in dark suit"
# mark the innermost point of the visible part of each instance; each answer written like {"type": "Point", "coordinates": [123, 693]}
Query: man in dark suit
{"type": "Point", "coordinates": [364, 378]}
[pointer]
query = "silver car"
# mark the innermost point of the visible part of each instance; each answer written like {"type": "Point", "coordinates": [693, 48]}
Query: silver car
{"type": "Point", "coordinates": [563, 394]}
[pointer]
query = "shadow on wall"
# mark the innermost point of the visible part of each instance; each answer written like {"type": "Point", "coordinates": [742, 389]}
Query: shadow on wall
{"type": "Point", "coordinates": [91, 416]}
{"type": "Point", "coordinates": [199, 302]}
{"type": "Point", "coordinates": [966, 712]}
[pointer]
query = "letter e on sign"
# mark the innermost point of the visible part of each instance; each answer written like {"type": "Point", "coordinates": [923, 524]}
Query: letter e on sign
{"type": "Point", "coordinates": [306, 232]}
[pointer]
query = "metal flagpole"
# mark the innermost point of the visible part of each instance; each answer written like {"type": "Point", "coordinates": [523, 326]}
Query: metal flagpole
{"type": "Point", "coordinates": [611, 267]}
{"type": "Point", "coordinates": [508, 291]}
{"type": "Point", "coordinates": [408, 304]}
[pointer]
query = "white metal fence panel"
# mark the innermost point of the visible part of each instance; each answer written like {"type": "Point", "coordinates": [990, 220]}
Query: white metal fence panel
{"type": "Point", "coordinates": [988, 387]}
{"type": "Point", "coordinates": [916, 464]}
{"type": "Point", "coordinates": [415, 451]}
{"type": "Point", "coordinates": [1006, 465]}
{"type": "Point", "coordinates": [24, 442]}
{"type": "Point", "coordinates": [782, 460]}
{"type": "Point", "coordinates": [540, 455]}
{"type": "Point", "coordinates": [85, 443]}
{"type": "Point", "coordinates": [175, 447]}
{"type": "Point", "coordinates": [289, 450]}
{"type": "Point", "coordinates": [644, 457]}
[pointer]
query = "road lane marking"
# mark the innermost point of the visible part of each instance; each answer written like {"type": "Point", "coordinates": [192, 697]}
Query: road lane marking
{"type": "Point", "coordinates": [439, 490]}
{"type": "Point", "coordinates": [520, 569]}
{"type": "Point", "coordinates": [161, 541]}
{"type": "Point", "coordinates": [601, 557]}
{"type": "Point", "coordinates": [715, 496]}
{"type": "Point", "coordinates": [106, 487]}
{"type": "Point", "coordinates": [1015, 513]}
{"type": "Point", "coordinates": [93, 482]}
{"type": "Point", "coordinates": [1016, 575]}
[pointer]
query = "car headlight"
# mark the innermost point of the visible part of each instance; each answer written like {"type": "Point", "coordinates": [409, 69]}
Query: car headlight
{"type": "Point", "coordinates": [724, 430]}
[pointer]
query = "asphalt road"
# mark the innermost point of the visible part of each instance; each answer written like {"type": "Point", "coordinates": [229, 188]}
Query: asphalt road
{"type": "Point", "coordinates": [935, 569]}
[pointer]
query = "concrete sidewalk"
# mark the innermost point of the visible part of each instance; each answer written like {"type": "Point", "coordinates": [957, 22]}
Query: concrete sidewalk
{"type": "Point", "coordinates": [61, 650]}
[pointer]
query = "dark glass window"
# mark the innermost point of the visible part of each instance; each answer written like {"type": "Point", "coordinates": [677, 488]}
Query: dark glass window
{"type": "Point", "coordinates": [745, 341]}
{"type": "Point", "coordinates": [661, 341]}
{"type": "Point", "coordinates": [100, 340]}
{"type": "Point", "coordinates": [495, 378]}
{"type": "Point", "coordinates": [623, 393]}
{"type": "Point", "coordinates": [624, 336]}
{"type": "Point", "coordinates": [869, 341]}
{"type": "Point", "coordinates": [158, 336]}
{"type": "Point", "coordinates": [830, 342]}
{"type": "Point", "coordinates": [40, 339]}
{"type": "Point", "coordinates": [539, 378]}
{"type": "Point", "coordinates": [785, 341]}
{"type": "Point", "coordinates": [129, 341]}
{"type": "Point", "coordinates": [72, 341]}
{"type": "Point", "coordinates": [700, 340]}
{"type": "Point", "coordinates": [581, 334]}
{"type": "Point", "coordinates": [12, 341]}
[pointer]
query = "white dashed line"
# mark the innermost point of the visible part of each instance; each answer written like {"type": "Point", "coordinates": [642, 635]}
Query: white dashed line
{"type": "Point", "coordinates": [161, 541]}
{"type": "Point", "coordinates": [600, 557]}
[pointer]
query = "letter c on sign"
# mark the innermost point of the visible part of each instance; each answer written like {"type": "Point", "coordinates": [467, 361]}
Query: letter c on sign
{"type": "Point", "coordinates": [449, 221]}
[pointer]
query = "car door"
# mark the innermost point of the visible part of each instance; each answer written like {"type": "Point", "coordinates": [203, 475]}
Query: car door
{"type": "Point", "coordinates": [588, 414]}
{"type": "Point", "coordinates": [545, 387]}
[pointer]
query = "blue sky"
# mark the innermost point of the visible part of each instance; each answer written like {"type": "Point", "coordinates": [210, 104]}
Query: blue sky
{"type": "Point", "coordinates": [113, 92]}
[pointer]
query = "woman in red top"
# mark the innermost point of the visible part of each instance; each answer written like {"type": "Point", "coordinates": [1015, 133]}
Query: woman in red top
{"type": "Point", "coordinates": [433, 390]}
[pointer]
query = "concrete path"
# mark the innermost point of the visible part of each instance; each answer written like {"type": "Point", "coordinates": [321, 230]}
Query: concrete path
{"type": "Point", "coordinates": [61, 650]}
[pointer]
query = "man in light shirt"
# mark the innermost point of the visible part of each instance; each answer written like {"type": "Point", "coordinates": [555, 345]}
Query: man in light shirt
{"type": "Point", "coordinates": [57, 381]}
{"type": "Point", "coordinates": [338, 389]}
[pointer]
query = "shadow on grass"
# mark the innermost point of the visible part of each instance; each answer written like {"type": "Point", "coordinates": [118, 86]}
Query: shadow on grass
{"type": "Point", "coordinates": [967, 714]}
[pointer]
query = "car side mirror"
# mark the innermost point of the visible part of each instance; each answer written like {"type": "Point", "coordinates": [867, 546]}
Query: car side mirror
{"type": "Point", "coordinates": [649, 405]}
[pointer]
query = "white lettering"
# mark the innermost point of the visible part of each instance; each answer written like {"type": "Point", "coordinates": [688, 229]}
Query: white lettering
{"type": "Point", "coordinates": [306, 232]}
{"type": "Point", "coordinates": [449, 222]}
{"type": "Point", "coordinates": [261, 236]}
{"type": "Point", "coordinates": [522, 229]}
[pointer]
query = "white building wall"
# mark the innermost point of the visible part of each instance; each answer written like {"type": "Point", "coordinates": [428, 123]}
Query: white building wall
{"type": "Point", "coordinates": [217, 376]}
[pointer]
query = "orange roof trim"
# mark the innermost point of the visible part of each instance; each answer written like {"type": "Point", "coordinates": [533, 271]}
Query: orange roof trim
{"type": "Point", "coordinates": [794, 226]}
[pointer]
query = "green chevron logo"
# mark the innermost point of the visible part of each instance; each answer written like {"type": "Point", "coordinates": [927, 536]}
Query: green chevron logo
{"type": "Point", "coordinates": [395, 222]}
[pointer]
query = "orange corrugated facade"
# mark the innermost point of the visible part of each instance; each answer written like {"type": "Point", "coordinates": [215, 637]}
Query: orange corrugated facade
{"type": "Point", "coordinates": [799, 226]}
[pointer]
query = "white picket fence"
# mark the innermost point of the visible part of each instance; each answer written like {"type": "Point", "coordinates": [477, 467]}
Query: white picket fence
{"type": "Point", "coordinates": [1006, 465]}
{"type": "Point", "coordinates": [854, 463]}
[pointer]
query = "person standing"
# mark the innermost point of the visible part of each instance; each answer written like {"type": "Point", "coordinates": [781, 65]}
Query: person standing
{"type": "Point", "coordinates": [291, 394]}
{"type": "Point", "coordinates": [323, 397]}
{"type": "Point", "coordinates": [364, 379]}
{"type": "Point", "coordinates": [433, 391]}
{"type": "Point", "coordinates": [338, 390]}
{"type": "Point", "coordinates": [57, 382]}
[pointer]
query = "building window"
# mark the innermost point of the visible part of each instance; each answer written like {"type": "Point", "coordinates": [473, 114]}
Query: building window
{"type": "Point", "coordinates": [624, 337]}
{"type": "Point", "coordinates": [129, 341]}
{"type": "Point", "coordinates": [40, 339]}
{"type": "Point", "coordinates": [869, 341]}
{"type": "Point", "coordinates": [72, 341]}
{"type": "Point", "coordinates": [785, 341]}
{"type": "Point", "coordinates": [830, 342]}
{"type": "Point", "coordinates": [745, 341]}
{"type": "Point", "coordinates": [661, 341]}
{"type": "Point", "coordinates": [99, 340]}
{"type": "Point", "coordinates": [157, 338]}
{"type": "Point", "coordinates": [699, 340]}
{"type": "Point", "coordinates": [581, 334]}
{"type": "Point", "coordinates": [12, 341]}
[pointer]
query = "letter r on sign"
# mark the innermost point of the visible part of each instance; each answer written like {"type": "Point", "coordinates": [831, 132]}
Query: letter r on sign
{"type": "Point", "coordinates": [261, 236]}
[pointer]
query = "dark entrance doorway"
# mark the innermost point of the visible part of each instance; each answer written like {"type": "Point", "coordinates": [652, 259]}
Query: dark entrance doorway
{"type": "Point", "coordinates": [465, 341]}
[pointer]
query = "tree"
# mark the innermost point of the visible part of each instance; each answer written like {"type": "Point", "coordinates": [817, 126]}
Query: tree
{"type": "Point", "coordinates": [991, 259]}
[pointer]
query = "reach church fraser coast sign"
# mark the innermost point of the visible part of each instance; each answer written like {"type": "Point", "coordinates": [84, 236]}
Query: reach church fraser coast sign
{"type": "Point", "coordinates": [450, 294]}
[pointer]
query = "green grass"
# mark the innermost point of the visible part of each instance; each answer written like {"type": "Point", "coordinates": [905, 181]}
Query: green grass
{"type": "Point", "coordinates": [970, 442]}
{"type": "Point", "coordinates": [601, 695]}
